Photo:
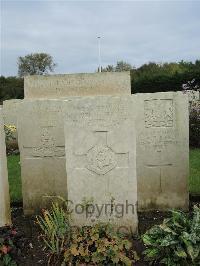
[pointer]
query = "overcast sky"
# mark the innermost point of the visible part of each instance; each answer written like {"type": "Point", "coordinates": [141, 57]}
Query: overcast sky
{"type": "Point", "coordinates": [137, 32]}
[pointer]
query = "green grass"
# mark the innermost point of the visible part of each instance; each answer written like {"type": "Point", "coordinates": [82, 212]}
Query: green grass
{"type": "Point", "coordinates": [194, 180]}
{"type": "Point", "coordinates": [15, 175]}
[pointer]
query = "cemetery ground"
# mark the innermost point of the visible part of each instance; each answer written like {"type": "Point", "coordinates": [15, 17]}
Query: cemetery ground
{"type": "Point", "coordinates": [32, 251]}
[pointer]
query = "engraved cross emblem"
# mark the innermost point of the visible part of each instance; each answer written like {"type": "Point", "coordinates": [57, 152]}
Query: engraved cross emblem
{"type": "Point", "coordinates": [160, 164]}
{"type": "Point", "coordinates": [100, 158]}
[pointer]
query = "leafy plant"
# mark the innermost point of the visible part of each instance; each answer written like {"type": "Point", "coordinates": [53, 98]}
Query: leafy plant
{"type": "Point", "coordinates": [9, 248]}
{"type": "Point", "coordinates": [55, 229]}
{"type": "Point", "coordinates": [98, 245]}
{"type": "Point", "coordinates": [176, 241]}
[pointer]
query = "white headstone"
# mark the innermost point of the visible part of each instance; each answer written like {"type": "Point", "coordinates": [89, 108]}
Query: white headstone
{"type": "Point", "coordinates": [5, 218]}
{"type": "Point", "coordinates": [59, 86]}
{"type": "Point", "coordinates": [10, 113]}
{"type": "Point", "coordinates": [101, 160]}
{"type": "Point", "coordinates": [10, 109]}
{"type": "Point", "coordinates": [42, 152]}
{"type": "Point", "coordinates": [162, 150]}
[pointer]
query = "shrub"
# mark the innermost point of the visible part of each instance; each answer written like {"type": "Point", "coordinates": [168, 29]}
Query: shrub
{"type": "Point", "coordinates": [154, 77]}
{"type": "Point", "coordinates": [11, 88]}
{"type": "Point", "coordinates": [99, 245]}
{"type": "Point", "coordinates": [95, 245]}
{"type": "Point", "coordinates": [9, 246]}
{"type": "Point", "coordinates": [176, 241]}
{"type": "Point", "coordinates": [55, 230]}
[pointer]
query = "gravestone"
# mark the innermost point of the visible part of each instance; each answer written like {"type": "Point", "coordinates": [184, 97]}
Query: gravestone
{"type": "Point", "coordinates": [101, 160]}
{"type": "Point", "coordinates": [42, 152]}
{"type": "Point", "coordinates": [5, 218]}
{"type": "Point", "coordinates": [59, 86]}
{"type": "Point", "coordinates": [10, 110]}
{"type": "Point", "coordinates": [162, 150]}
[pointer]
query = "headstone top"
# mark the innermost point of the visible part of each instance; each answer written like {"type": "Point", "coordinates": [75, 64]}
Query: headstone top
{"type": "Point", "coordinates": [59, 86]}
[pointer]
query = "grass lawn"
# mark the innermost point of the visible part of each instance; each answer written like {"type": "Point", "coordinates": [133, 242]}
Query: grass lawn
{"type": "Point", "coordinates": [14, 176]}
{"type": "Point", "coordinates": [194, 180]}
{"type": "Point", "coordinates": [15, 180]}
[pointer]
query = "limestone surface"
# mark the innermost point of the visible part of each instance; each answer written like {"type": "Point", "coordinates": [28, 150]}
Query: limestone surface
{"type": "Point", "coordinates": [10, 113]}
{"type": "Point", "coordinates": [162, 150]}
{"type": "Point", "coordinates": [58, 86]}
{"type": "Point", "coordinates": [10, 108]}
{"type": "Point", "coordinates": [101, 160]}
{"type": "Point", "coordinates": [41, 142]}
{"type": "Point", "coordinates": [5, 218]}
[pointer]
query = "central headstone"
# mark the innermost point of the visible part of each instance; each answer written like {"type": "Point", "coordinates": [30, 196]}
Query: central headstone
{"type": "Point", "coordinates": [5, 218]}
{"type": "Point", "coordinates": [101, 160]}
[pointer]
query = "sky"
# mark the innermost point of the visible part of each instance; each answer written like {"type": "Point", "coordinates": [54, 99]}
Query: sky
{"type": "Point", "coordinates": [134, 31]}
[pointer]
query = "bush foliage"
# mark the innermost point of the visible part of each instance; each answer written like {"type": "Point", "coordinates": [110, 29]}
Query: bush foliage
{"type": "Point", "coordinates": [154, 77]}
{"type": "Point", "coordinates": [176, 242]}
{"type": "Point", "coordinates": [90, 245]}
{"type": "Point", "coordinates": [99, 245]}
{"type": "Point", "coordinates": [10, 246]}
{"type": "Point", "coordinates": [11, 88]}
{"type": "Point", "coordinates": [55, 230]}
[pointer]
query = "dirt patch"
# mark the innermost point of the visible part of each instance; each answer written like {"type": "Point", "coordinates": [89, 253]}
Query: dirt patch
{"type": "Point", "coordinates": [32, 252]}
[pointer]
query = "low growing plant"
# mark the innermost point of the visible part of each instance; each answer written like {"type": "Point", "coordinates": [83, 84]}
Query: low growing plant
{"type": "Point", "coordinates": [55, 230]}
{"type": "Point", "coordinates": [9, 246]}
{"type": "Point", "coordinates": [176, 241]}
{"type": "Point", "coordinates": [92, 245]}
{"type": "Point", "coordinates": [99, 245]}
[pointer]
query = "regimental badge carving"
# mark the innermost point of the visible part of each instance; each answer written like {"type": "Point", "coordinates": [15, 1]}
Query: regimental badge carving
{"type": "Point", "coordinates": [101, 159]}
{"type": "Point", "coordinates": [47, 147]}
{"type": "Point", "coordinates": [158, 113]}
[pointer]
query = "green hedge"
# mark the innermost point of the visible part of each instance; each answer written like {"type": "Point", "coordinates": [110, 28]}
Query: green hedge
{"type": "Point", "coordinates": [157, 82]}
{"type": "Point", "coordinates": [11, 88]}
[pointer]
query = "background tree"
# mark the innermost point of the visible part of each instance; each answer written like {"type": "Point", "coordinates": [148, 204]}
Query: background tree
{"type": "Point", "coordinates": [123, 66]}
{"type": "Point", "coordinates": [154, 77]}
{"type": "Point", "coordinates": [108, 68]}
{"type": "Point", "coordinates": [120, 66]}
{"type": "Point", "coordinates": [35, 64]}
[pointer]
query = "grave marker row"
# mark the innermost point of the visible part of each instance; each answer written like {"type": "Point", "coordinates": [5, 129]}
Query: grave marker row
{"type": "Point", "coordinates": [105, 150]}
